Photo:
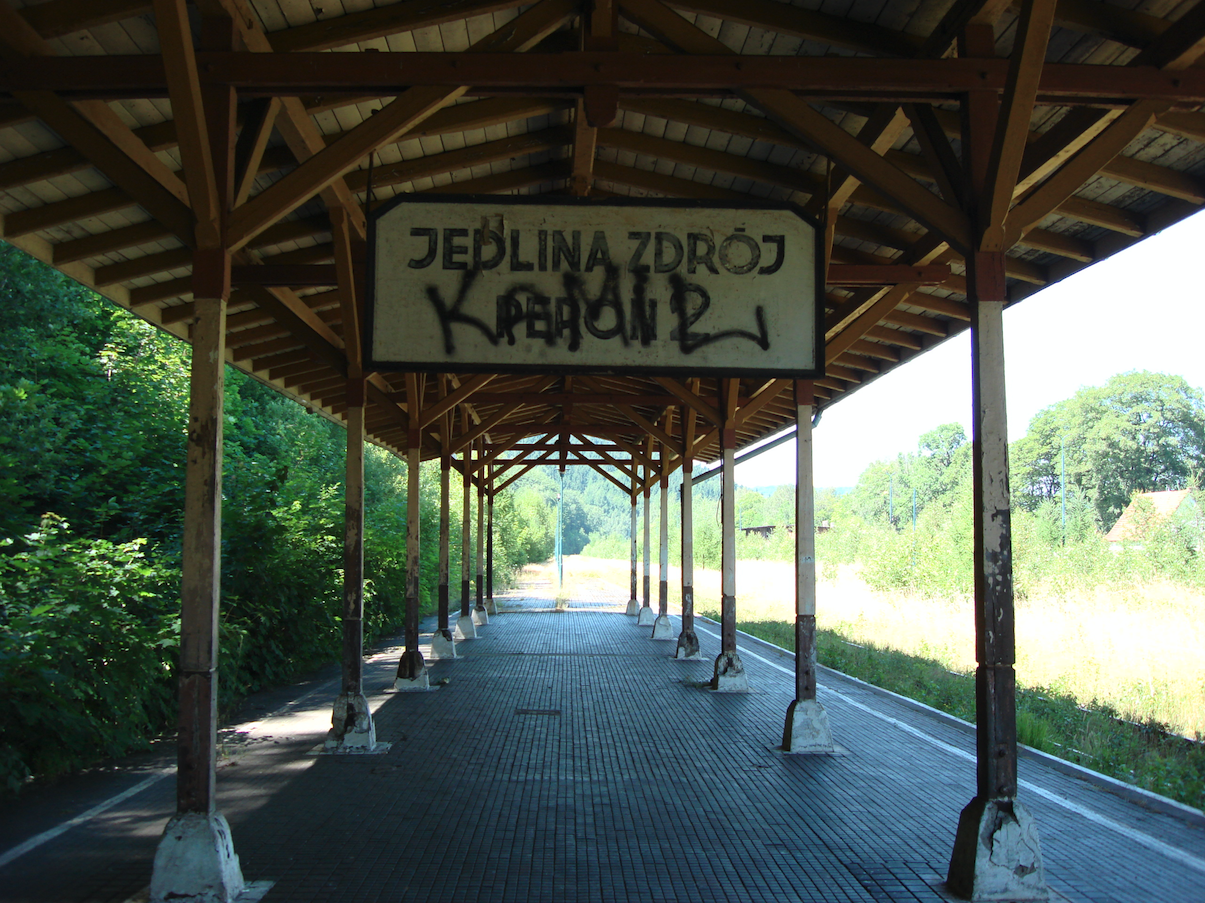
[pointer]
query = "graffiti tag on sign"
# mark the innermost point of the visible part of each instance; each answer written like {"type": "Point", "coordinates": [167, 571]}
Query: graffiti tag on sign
{"type": "Point", "coordinates": [505, 286]}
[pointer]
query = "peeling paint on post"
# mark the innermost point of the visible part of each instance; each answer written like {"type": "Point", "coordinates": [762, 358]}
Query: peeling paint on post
{"type": "Point", "coordinates": [688, 640]}
{"type": "Point", "coordinates": [662, 629]}
{"type": "Point", "coordinates": [482, 615]}
{"type": "Point", "coordinates": [353, 543]}
{"type": "Point", "coordinates": [411, 670]}
{"type": "Point", "coordinates": [997, 854]}
{"type": "Point", "coordinates": [201, 564]}
{"type": "Point", "coordinates": [633, 602]}
{"type": "Point", "coordinates": [729, 670]}
{"type": "Point", "coordinates": [443, 644]}
{"type": "Point", "coordinates": [490, 605]}
{"type": "Point", "coordinates": [466, 629]}
{"type": "Point", "coordinates": [807, 727]}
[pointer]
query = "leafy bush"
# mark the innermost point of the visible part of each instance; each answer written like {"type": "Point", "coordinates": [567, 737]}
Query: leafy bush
{"type": "Point", "coordinates": [89, 640]}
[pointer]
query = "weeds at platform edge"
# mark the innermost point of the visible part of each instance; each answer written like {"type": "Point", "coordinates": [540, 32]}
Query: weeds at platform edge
{"type": "Point", "coordinates": [1146, 755]}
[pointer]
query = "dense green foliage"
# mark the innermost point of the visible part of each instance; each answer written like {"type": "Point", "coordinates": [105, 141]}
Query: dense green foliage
{"type": "Point", "coordinates": [92, 448]}
{"type": "Point", "coordinates": [1138, 432]}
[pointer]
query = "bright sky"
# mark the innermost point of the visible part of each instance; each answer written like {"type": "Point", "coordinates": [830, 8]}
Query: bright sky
{"type": "Point", "coordinates": [1141, 309]}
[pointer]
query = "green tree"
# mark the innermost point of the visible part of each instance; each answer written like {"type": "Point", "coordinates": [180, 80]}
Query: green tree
{"type": "Point", "coordinates": [1139, 432]}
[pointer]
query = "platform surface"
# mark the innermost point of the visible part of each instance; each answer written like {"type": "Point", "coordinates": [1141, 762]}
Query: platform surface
{"type": "Point", "coordinates": [568, 757]}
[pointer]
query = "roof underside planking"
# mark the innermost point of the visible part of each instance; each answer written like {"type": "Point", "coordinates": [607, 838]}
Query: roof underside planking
{"type": "Point", "coordinates": [850, 110]}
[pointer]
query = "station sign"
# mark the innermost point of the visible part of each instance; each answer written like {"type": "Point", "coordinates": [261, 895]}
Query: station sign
{"type": "Point", "coordinates": [534, 284]}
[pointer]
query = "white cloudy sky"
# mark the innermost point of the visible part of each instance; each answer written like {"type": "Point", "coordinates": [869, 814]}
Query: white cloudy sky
{"type": "Point", "coordinates": [1142, 309]}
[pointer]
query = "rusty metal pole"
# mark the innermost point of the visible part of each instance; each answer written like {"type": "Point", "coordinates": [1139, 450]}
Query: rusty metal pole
{"type": "Point", "coordinates": [633, 603]}
{"type": "Point", "coordinates": [807, 728]}
{"type": "Point", "coordinates": [466, 627]}
{"type": "Point", "coordinates": [490, 606]}
{"type": "Point", "coordinates": [729, 670]}
{"type": "Point", "coordinates": [412, 670]}
{"type": "Point", "coordinates": [481, 614]}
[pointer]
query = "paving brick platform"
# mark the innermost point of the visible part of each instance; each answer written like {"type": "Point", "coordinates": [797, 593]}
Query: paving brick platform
{"type": "Point", "coordinates": [568, 757]}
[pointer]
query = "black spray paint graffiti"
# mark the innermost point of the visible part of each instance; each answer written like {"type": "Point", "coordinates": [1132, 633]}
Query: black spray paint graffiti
{"type": "Point", "coordinates": [566, 318]}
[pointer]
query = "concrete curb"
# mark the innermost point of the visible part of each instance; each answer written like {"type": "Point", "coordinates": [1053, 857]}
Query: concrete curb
{"type": "Point", "coordinates": [1144, 798]}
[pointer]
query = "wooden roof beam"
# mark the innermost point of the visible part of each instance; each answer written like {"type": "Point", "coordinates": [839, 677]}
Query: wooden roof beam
{"type": "Point", "coordinates": [1012, 127]}
{"type": "Point", "coordinates": [330, 163]}
{"type": "Point", "coordinates": [97, 132]}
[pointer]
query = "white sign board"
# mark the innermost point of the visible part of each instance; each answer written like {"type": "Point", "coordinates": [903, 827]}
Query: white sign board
{"type": "Point", "coordinates": [517, 284]}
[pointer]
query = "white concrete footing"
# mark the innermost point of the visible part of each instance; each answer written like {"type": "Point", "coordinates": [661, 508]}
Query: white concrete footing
{"type": "Point", "coordinates": [663, 629]}
{"type": "Point", "coordinates": [646, 617]}
{"type": "Point", "coordinates": [351, 725]}
{"type": "Point", "coordinates": [465, 629]}
{"type": "Point", "coordinates": [491, 607]}
{"type": "Point", "coordinates": [195, 861]}
{"type": "Point", "coordinates": [442, 647]}
{"type": "Point", "coordinates": [807, 729]}
{"type": "Point", "coordinates": [404, 685]}
{"type": "Point", "coordinates": [633, 607]}
{"type": "Point", "coordinates": [997, 855]}
{"type": "Point", "coordinates": [480, 617]}
{"type": "Point", "coordinates": [730, 676]}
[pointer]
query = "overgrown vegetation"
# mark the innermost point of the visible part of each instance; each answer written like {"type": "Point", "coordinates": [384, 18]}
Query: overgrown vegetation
{"type": "Point", "coordinates": [1147, 754]}
{"type": "Point", "coordinates": [92, 450]}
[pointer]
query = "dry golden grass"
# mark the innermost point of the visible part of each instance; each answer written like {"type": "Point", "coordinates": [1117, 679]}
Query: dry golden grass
{"type": "Point", "coordinates": [1140, 650]}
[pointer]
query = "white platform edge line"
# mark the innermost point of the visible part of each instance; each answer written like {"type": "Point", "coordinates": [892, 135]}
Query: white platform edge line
{"type": "Point", "coordinates": [1138, 837]}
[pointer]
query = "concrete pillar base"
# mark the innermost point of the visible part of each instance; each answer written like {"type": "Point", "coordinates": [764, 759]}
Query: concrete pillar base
{"type": "Point", "coordinates": [351, 725]}
{"type": "Point", "coordinates": [663, 629]}
{"type": "Point", "coordinates": [420, 683]}
{"type": "Point", "coordinates": [730, 676]}
{"type": "Point", "coordinates": [646, 617]}
{"type": "Point", "coordinates": [807, 729]}
{"type": "Point", "coordinates": [195, 861]}
{"type": "Point", "coordinates": [491, 607]}
{"type": "Point", "coordinates": [633, 607]}
{"type": "Point", "coordinates": [688, 647]}
{"type": "Point", "coordinates": [443, 645]}
{"type": "Point", "coordinates": [997, 855]}
{"type": "Point", "coordinates": [466, 628]}
{"type": "Point", "coordinates": [480, 617]}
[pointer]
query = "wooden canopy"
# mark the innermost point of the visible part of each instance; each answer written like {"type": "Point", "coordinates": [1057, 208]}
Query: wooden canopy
{"type": "Point", "coordinates": [115, 115]}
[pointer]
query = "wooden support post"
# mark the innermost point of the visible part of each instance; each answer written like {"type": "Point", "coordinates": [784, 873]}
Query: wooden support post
{"type": "Point", "coordinates": [490, 606]}
{"type": "Point", "coordinates": [201, 563]}
{"type": "Point", "coordinates": [729, 671]}
{"type": "Point", "coordinates": [196, 853]}
{"type": "Point", "coordinates": [443, 644]}
{"type": "Point", "coordinates": [412, 669]}
{"type": "Point", "coordinates": [351, 719]}
{"type": "Point", "coordinates": [466, 627]}
{"type": "Point", "coordinates": [196, 850]}
{"type": "Point", "coordinates": [997, 853]}
{"type": "Point", "coordinates": [662, 628]}
{"type": "Point", "coordinates": [688, 640]}
{"type": "Point", "coordinates": [481, 614]}
{"type": "Point", "coordinates": [646, 618]}
{"type": "Point", "coordinates": [633, 604]}
{"type": "Point", "coordinates": [807, 728]}
{"type": "Point", "coordinates": [353, 541]}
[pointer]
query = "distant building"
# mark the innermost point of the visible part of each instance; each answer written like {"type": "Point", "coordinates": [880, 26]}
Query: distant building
{"type": "Point", "coordinates": [1150, 510]}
